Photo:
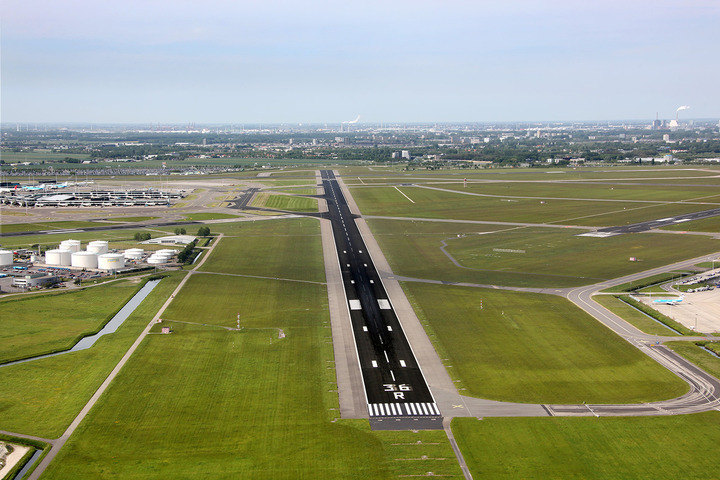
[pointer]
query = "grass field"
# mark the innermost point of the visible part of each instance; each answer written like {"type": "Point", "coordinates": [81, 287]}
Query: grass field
{"type": "Point", "coordinates": [637, 448]}
{"type": "Point", "coordinates": [534, 348]}
{"type": "Point", "coordinates": [426, 203]}
{"type": "Point", "coordinates": [287, 248]}
{"type": "Point", "coordinates": [635, 317]}
{"type": "Point", "coordinates": [48, 323]}
{"type": "Point", "coordinates": [496, 254]}
{"type": "Point", "coordinates": [32, 227]}
{"type": "Point", "coordinates": [40, 156]}
{"type": "Point", "coordinates": [205, 401]}
{"type": "Point", "coordinates": [559, 252]}
{"type": "Point", "coordinates": [52, 240]}
{"type": "Point", "coordinates": [285, 202]}
{"type": "Point", "coordinates": [208, 216]}
{"type": "Point", "coordinates": [297, 190]}
{"type": "Point", "coordinates": [586, 190]}
{"type": "Point", "coordinates": [43, 396]}
{"type": "Point", "coordinates": [260, 302]}
{"type": "Point", "coordinates": [705, 360]}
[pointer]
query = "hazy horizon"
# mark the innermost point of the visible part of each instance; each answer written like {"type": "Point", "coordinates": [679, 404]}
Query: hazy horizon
{"type": "Point", "coordinates": [289, 62]}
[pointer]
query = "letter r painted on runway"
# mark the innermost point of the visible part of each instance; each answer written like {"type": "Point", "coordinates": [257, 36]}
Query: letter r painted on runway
{"type": "Point", "coordinates": [399, 395]}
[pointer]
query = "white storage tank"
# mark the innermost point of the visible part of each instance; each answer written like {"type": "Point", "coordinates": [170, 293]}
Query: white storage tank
{"type": "Point", "coordinates": [6, 258]}
{"type": "Point", "coordinates": [72, 245]}
{"type": "Point", "coordinates": [35, 259]}
{"type": "Point", "coordinates": [157, 258]}
{"type": "Point", "coordinates": [84, 260]}
{"type": "Point", "coordinates": [98, 246]}
{"type": "Point", "coordinates": [167, 251]}
{"type": "Point", "coordinates": [58, 257]}
{"type": "Point", "coordinates": [133, 253]}
{"type": "Point", "coordinates": [111, 261]}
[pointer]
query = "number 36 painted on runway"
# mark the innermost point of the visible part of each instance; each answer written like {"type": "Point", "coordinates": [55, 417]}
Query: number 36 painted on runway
{"type": "Point", "coordinates": [391, 387]}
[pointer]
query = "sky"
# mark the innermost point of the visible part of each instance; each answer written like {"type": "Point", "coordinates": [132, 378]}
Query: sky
{"type": "Point", "coordinates": [310, 61]}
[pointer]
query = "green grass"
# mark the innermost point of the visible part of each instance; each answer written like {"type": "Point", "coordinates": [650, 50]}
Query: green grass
{"type": "Point", "coordinates": [632, 315]}
{"type": "Point", "coordinates": [205, 401]}
{"type": "Point", "coordinates": [53, 239]}
{"type": "Point", "coordinates": [652, 280]}
{"type": "Point", "coordinates": [586, 190]}
{"type": "Point", "coordinates": [387, 201]}
{"type": "Point", "coordinates": [218, 299]}
{"type": "Point", "coordinates": [43, 396]}
{"type": "Point", "coordinates": [711, 224]}
{"type": "Point", "coordinates": [637, 448]}
{"type": "Point", "coordinates": [49, 323]}
{"type": "Point", "coordinates": [698, 356]}
{"type": "Point", "coordinates": [285, 202]}
{"type": "Point", "coordinates": [542, 257]}
{"type": "Point", "coordinates": [558, 252]}
{"type": "Point", "coordinates": [40, 156]}
{"type": "Point", "coordinates": [287, 248]}
{"type": "Point", "coordinates": [713, 346]}
{"type": "Point", "coordinates": [526, 347]}
{"type": "Point", "coordinates": [297, 190]}
{"type": "Point", "coordinates": [208, 216]}
{"type": "Point", "coordinates": [40, 226]}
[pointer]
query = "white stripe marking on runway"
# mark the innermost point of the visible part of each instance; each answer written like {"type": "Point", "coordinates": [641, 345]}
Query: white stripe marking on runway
{"type": "Point", "coordinates": [384, 304]}
{"type": "Point", "coordinates": [355, 305]}
{"type": "Point", "coordinates": [402, 363]}
{"type": "Point", "coordinates": [401, 193]}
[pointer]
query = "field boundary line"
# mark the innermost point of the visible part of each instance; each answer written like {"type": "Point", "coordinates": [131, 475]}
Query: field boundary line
{"type": "Point", "coordinates": [261, 277]}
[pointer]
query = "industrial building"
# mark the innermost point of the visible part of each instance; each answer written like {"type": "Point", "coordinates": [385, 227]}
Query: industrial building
{"type": "Point", "coordinates": [93, 198]}
{"type": "Point", "coordinates": [31, 280]}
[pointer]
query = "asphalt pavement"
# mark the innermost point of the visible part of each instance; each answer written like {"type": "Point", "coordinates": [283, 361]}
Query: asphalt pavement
{"type": "Point", "coordinates": [397, 395]}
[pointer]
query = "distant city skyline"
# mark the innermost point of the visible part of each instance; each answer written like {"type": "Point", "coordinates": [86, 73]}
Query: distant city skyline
{"type": "Point", "coordinates": [326, 62]}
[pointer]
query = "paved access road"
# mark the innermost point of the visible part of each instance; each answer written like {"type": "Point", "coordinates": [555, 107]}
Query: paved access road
{"type": "Point", "coordinates": [394, 383]}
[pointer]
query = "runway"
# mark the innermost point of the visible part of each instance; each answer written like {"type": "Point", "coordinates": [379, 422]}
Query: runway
{"type": "Point", "coordinates": [396, 393]}
{"type": "Point", "coordinates": [652, 224]}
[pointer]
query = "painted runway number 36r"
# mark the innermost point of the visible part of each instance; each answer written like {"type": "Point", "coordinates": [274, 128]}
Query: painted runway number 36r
{"type": "Point", "coordinates": [398, 390]}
